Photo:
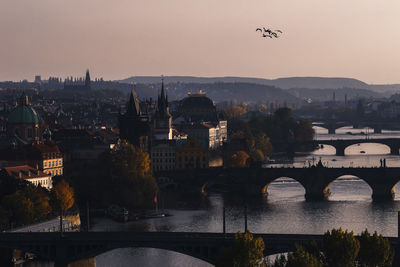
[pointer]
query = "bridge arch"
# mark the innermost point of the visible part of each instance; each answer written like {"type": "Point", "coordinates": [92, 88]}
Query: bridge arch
{"type": "Point", "coordinates": [282, 180]}
{"type": "Point", "coordinates": [347, 186]}
{"type": "Point", "coordinates": [157, 253]}
{"type": "Point", "coordinates": [368, 148]}
{"type": "Point", "coordinates": [325, 149]}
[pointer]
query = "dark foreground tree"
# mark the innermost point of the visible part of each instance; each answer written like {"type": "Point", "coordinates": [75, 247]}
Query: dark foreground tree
{"type": "Point", "coordinates": [123, 176]}
{"type": "Point", "coordinates": [245, 252]}
{"type": "Point", "coordinates": [340, 248]}
{"type": "Point", "coordinates": [375, 251]}
{"type": "Point", "coordinates": [300, 257]}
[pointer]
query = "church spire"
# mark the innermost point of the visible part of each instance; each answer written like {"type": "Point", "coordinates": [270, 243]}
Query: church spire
{"type": "Point", "coordinates": [162, 104]}
{"type": "Point", "coordinates": [87, 80]}
{"type": "Point", "coordinates": [133, 106]}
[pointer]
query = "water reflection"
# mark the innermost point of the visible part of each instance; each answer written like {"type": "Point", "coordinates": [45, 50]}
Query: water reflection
{"type": "Point", "coordinates": [284, 211]}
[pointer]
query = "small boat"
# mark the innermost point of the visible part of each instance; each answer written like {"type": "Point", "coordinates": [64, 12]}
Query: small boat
{"type": "Point", "coordinates": [362, 152]}
{"type": "Point", "coordinates": [154, 215]}
{"type": "Point", "coordinates": [334, 159]}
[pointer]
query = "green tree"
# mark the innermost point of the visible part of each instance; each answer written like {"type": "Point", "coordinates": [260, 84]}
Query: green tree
{"type": "Point", "coordinates": [40, 199]}
{"type": "Point", "coordinates": [340, 248]}
{"type": "Point", "coordinates": [245, 252]}
{"type": "Point", "coordinates": [301, 258]}
{"type": "Point", "coordinates": [375, 251]}
{"type": "Point", "coordinates": [304, 131]}
{"type": "Point", "coordinates": [9, 185]}
{"type": "Point", "coordinates": [3, 218]}
{"type": "Point", "coordinates": [125, 178]}
{"type": "Point", "coordinates": [19, 208]}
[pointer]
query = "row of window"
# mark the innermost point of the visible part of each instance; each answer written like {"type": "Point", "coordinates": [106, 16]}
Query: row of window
{"type": "Point", "coordinates": [167, 167]}
{"type": "Point", "coordinates": [53, 163]}
{"type": "Point", "coordinates": [164, 160]}
{"type": "Point", "coordinates": [44, 182]}
{"type": "Point", "coordinates": [54, 172]}
{"type": "Point", "coordinates": [160, 154]}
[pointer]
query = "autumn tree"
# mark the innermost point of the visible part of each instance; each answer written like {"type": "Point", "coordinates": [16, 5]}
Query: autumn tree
{"type": "Point", "coordinates": [375, 251]}
{"type": "Point", "coordinates": [234, 112]}
{"type": "Point", "coordinates": [340, 248]}
{"type": "Point", "coordinates": [245, 252]}
{"type": "Point", "coordinates": [64, 195]}
{"type": "Point", "coordinates": [239, 160]}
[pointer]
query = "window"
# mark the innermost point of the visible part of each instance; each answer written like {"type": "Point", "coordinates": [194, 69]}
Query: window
{"type": "Point", "coordinates": [45, 163]}
{"type": "Point", "coordinates": [59, 162]}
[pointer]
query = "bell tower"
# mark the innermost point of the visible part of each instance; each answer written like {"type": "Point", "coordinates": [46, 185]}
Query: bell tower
{"type": "Point", "coordinates": [162, 120]}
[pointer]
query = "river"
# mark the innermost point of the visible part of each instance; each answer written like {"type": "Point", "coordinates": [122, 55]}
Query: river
{"type": "Point", "coordinates": [284, 211]}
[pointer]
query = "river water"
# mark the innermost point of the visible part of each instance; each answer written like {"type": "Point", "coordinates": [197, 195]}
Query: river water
{"type": "Point", "coordinates": [284, 211]}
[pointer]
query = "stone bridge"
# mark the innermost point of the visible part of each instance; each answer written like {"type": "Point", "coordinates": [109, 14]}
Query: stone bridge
{"type": "Point", "coordinates": [378, 126]}
{"type": "Point", "coordinates": [80, 245]}
{"type": "Point", "coordinates": [315, 180]}
{"type": "Point", "coordinates": [340, 144]}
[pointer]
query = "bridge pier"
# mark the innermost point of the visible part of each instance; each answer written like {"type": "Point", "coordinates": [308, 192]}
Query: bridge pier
{"type": "Point", "coordinates": [331, 130]}
{"type": "Point", "coordinates": [317, 195]}
{"type": "Point", "coordinates": [340, 150]}
{"type": "Point", "coordinates": [382, 192]}
{"type": "Point", "coordinates": [377, 130]}
{"type": "Point", "coordinates": [394, 150]}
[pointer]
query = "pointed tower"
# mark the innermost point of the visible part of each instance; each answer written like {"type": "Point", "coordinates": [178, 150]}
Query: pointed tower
{"type": "Point", "coordinates": [162, 120]}
{"type": "Point", "coordinates": [133, 109]}
{"type": "Point", "coordinates": [87, 80]}
{"type": "Point", "coordinates": [134, 125]}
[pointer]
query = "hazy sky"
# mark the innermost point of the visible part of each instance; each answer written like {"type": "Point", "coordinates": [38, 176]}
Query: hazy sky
{"type": "Point", "coordinates": [119, 38]}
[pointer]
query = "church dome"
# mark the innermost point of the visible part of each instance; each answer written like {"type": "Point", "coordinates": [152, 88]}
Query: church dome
{"type": "Point", "coordinates": [198, 107]}
{"type": "Point", "coordinates": [197, 101]}
{"type": "Point", "coordinates": [23, 113]}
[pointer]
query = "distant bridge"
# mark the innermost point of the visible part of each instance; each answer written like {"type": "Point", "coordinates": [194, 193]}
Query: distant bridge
{"type": "Point", "coordinates": [315, 180]}
{"type": "Point", "coordinates": [80, 245]}
{"type": "Point", "coordinates": [377, 126]}
{"type": "Point", "coordinates": [341, 144]}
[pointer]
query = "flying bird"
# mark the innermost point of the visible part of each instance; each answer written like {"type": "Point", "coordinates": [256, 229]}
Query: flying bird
{"type": "Point", "coordinates": [268, 33]}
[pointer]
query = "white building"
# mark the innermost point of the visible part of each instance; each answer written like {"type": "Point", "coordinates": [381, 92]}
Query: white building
{"type": "Point", "coordinates": [30, 174]}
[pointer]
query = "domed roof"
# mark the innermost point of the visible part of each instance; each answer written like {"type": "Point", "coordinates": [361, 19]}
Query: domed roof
{"type": "Point", "coordinates": [23, 113]}
{"type": "Point", "coordinates": [196, 101]}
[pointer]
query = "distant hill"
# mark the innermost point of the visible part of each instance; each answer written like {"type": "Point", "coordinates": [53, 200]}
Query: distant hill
{"type": "Point", "coordinates": [340, 94]}
{"type": "Point", "coordinates": [219, 91]}
{"type": "Point", "coordinates": [283, 83]}
{"type": "Point", "coordinates": [282, 89]}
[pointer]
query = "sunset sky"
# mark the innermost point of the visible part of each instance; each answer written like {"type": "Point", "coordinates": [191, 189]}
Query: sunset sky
{"type": "Point", "coordinates": [121, 38]}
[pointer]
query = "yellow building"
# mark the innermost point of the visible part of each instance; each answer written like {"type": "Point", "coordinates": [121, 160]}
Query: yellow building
{"type": "Point", "coordinates": [191, 155]}
{"type": "Point", "coordinates": [47, 157]}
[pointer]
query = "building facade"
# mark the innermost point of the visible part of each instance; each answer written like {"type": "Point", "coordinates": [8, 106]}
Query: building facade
{"type": "Point", "coordinates": [30, 174]}
{"type": "Point", "coordinates": [163, 155]}
{"type": "Point", "coordinates": [190, 154]}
